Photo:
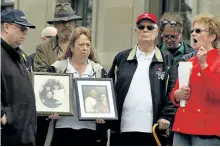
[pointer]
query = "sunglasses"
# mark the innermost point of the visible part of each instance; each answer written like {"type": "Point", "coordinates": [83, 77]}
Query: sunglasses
{"type": "Point", "coordinates": [22, 28]}
{"type": "Point", "coordinates": [172, 37]}
{"type": "Point", "coordinates": [149, 28]}
{"type": "Point", "coordinates": [197, 31]}
{"type": "Point", "coordinates": [168, 22]}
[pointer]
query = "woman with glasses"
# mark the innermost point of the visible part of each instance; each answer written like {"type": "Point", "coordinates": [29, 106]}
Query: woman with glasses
{"type": "Point", "coordinates": [198, 123]}
{"type": "Point", "coordinates": [171, 27]}
{"type": "Point", "coordinates": [79, 59]}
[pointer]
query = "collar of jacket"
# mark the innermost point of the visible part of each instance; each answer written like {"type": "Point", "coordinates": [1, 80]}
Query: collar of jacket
{"type": "Point", "coordinates": [157, 56]}
{"type": "Point", "coordinates": [54, 42]}
{"type": "Point", "coordinates": [11, 51]}
{"type": "Point", "coordinates": [61, 66]}
{"type": "Point", "coordinates": [180, 50]}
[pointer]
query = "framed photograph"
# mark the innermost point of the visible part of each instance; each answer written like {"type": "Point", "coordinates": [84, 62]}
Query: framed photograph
{"type": "Point", "coordinates": [95, 98]}
{"type": "Point", "coordinates": [53, 93]}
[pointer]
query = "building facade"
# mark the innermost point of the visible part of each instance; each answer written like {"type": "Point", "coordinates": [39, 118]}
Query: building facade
{"type": "Point", "coordinates": [112, 21]}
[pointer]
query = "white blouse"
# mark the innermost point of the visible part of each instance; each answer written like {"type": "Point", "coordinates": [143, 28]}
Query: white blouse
{"type": "Point", "coordinates": [73, 121]}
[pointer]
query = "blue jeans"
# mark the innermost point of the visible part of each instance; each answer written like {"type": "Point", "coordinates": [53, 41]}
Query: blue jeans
{"type": "Point", "coordinates": [194, 140]}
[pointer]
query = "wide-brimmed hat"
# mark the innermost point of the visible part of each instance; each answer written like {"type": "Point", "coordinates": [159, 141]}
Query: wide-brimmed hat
{"type": "Point", "coordinates": [64, 12]}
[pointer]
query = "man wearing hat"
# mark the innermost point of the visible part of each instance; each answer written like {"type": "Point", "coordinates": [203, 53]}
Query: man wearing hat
{"type": "Point", "coordinates": [143, 78]}
{"type": "Point", "coordinates": [18, 110]}
{"type": "Point", "coordinates": [49, 51]}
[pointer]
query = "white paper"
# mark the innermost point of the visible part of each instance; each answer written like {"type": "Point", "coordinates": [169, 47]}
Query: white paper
{"type": "Point", "coordinates": [184, 72]}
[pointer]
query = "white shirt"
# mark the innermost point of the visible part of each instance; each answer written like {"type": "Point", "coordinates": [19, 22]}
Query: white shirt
{"type": "Point", "coordinates": [137, 112]}
{"type": "Point", "coordinates": [73, 121]}
{"type": "Point", "coordinates": [89, 104]}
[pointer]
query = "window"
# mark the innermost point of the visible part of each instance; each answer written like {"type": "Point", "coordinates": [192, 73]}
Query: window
{"type": "Point", "coordinates": [5, 4]}
{"type": "Point", "coordinates": [184, 7]}
{"type": "Point", "coordinates": [84, 9]}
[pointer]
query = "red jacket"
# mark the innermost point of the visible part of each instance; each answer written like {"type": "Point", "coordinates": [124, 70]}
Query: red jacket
{"type": "Point", "coordinates": [201, 116]}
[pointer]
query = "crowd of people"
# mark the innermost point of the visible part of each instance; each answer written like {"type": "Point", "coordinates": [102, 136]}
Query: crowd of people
{"type": "Point", "coordinates": [145, 79]}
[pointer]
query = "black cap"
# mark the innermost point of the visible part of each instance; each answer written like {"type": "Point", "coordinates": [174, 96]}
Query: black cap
{"type": "Point", "coordinates": [15, 16]}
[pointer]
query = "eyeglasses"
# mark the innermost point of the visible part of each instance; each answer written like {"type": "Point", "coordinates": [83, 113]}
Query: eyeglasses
{"type": "Point", "coordinates": [172, 37]}
{"type": "Point", "coordinates": [149, 28]}
{"type": "Point", "coordinates": [197, 31]}
{"type": "Point", "coordinates": [22, 28]}
{"type": "Point", "coordinates": [170, 22]}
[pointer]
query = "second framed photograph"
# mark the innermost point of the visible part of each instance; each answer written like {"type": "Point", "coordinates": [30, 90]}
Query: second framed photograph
{"type": "Point", "coordinates": [95, 98]}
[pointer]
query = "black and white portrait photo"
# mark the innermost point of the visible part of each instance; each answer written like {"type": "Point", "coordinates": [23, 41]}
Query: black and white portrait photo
{"type": "Point", "coordinates": [53, 93]}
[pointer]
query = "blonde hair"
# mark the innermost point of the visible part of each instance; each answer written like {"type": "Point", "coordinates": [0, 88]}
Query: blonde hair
{"type": "Point", "coordinates": [78, 31]}
{"type": "Point", "coordinates": [213, 24]}
{"type": "Point", "coordinates": [168, 16]}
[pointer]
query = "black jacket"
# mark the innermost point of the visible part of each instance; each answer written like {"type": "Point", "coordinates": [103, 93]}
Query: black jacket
{"type": "Point", "coordinates": [187, 49]}
{"type": "Point", "coordinates": [17, 99]}
{"type": "Point", "coordinates": [122, 71]}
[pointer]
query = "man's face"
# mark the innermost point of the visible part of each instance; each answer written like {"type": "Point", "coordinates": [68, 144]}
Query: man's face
{"type": "Point", "coordinates": [171, 37]}
{"type": "Point", "coordinates": [15, 33]}
{"type": "Point", "coordinates": [93, 93]}
{"type": "Point", "coordinates": [64, 29]}
{"type": "Point", "coordinates": [49, 95]}
{"type": "Point", "coordinates": [146, 31]}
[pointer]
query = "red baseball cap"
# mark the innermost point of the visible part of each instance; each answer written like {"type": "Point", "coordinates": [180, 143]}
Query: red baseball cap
{"type": "Point", "coordinates": [146, 16]}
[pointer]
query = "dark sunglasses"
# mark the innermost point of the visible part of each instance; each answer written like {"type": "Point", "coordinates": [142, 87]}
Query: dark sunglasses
{"type": "Point", "coordinates": [142, 27]}
{"type": "Point", "coordinates": [168, 22]}
{"type": "Point", "coordinates": [172, 37]}
{"type": "Point", "coordinates": [197, 31]}
{"type": "Point", "coordinates": [22, 28]}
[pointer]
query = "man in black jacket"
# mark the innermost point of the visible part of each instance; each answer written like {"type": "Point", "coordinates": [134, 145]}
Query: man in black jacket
{"type": "Point", "coordinates": [18, 110]}
{"type": "Point", "coordinates": [143, 78]}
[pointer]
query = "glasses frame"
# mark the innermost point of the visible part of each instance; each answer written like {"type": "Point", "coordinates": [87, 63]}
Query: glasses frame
{"type": "Point", "coordinates": [171, 37]}
{"type": "Point", "coordinates": [148, 27]}
{"type": "Point", "coordinates": [21, 27]}
{"type": "Point", "coordinates": [198, 31]}
{"type": "Point", "coordinates": [172, 22]}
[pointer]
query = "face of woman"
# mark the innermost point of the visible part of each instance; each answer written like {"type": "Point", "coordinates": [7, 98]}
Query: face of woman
{"type": "Point", "coordinates": [82, 47]}
{"type": "Point", "coordinates": [201, 36]}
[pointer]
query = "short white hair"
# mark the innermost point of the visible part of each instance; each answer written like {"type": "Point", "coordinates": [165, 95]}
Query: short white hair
{"type": "Point", "coordinates": [49, 31]}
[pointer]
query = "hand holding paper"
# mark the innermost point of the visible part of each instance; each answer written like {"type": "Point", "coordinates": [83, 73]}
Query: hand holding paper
{"type": "Point", "coordinates": [184, 72]}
